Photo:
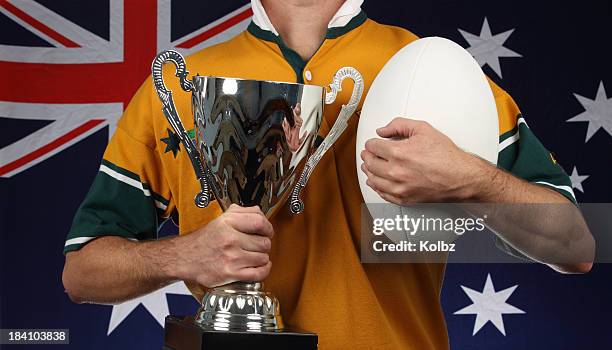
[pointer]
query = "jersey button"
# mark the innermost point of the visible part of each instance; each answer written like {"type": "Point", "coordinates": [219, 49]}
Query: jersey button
{"type": "Point", "coordinates": [308, 75]}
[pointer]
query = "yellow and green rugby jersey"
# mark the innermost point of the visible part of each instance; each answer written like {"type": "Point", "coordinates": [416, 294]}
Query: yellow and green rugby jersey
{"type": "Point", "coordinates": [146, 176]}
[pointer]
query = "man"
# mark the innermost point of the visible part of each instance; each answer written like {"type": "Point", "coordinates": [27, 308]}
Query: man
{"type": "Point", "coordinates": [112, 254]}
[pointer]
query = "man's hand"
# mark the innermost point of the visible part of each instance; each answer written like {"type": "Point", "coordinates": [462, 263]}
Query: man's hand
{"type": "Point", "coordinates": [415, 163]}
{"type": "Point", "coordinates": [233, 247]}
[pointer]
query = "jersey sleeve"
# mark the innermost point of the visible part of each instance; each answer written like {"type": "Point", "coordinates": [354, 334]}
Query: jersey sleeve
{"type": "Point", "coordinates": [129, 196]}
{"type": "Point", "coordinates": [522, 154]}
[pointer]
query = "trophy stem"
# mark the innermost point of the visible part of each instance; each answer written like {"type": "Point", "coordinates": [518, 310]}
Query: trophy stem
{"type": "Point", "coordinates": [240, 306]}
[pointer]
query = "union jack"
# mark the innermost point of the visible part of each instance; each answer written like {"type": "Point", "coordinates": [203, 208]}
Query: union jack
{"type": "Point", "coordinates": [82, 81]}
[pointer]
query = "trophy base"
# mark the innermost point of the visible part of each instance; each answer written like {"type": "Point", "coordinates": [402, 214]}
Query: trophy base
{"type": "Point", "coordinates": [240, 307]}
{"type": "Point", "coordinates": [185, 334]}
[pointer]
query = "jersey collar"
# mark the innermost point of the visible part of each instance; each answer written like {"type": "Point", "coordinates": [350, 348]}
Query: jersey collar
{"type": "Point", "coordinates": [349, 16]}
{"type": "Point", "coordinates": [349, 10]}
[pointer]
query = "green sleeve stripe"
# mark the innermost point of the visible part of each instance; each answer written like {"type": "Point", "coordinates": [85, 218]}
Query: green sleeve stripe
{"type": "Point", "coordinates": [510, 137]}
{"type": "Point", "coordinates": [121, 170]}
{"type": "Point", "coordinates": [503, 137]}
{"type": "Point", "coordinates": [567, 191]}
{"type": "Point", "coordinates": [82, 240]}
{"type": "Point", "coordinates": [509, 144]}
{"type": "Point", "coordinates": [133, 180]}
{"type": "Point", "coordinates": [75, 243]}
{"type": "Point", "coordinates": [509, 134]}
{"type": "Point", "coordinates": [508, 148]}
{"type": "Point", "coordinates": [509, 141]}
{"type": "Point", "coordinates": [163, 202]}
{"type": "Point", "coordinates": [78, 240]}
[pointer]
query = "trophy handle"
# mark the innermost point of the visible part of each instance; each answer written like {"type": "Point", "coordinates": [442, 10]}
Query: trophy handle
{"type": "Point", "coordinates": [296, 204]}
{"type": "Point", "coordinates": [203, 198]}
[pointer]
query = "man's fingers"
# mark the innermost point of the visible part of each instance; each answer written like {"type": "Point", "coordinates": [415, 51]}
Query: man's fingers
{"type": "Point", "coordinates": [238, 209]}
{"type": "Point", "coordinates": [378, 183]}
{"type": "Point", "coordinates": [374, 164]}
{"type": "Point", "coordinates": [399, 127]}
{"type": "Point", "coordinates": [254, 243]}
{"type": "Point", "coordinates": [255, 274]}
{"type": "Point", "coordinates": [382, 148]}
{"type": "Point", "coordinates": [252, 223]}
{"type": "Point", "coordinates": [251, 259]}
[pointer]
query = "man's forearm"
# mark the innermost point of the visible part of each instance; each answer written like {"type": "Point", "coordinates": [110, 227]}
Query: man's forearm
{"type": "Point", "coordinates": [493, 185]}
{"type": "Point", "coordinates": [546, 226]}
{"type": "Point", "coordinates": [114, 269]}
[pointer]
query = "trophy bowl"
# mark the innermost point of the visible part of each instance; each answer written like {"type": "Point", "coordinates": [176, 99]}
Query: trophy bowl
{"type": "Point", "coordinates": [253, 137]}
{"type": "Point", "coordinates": [256, 144]}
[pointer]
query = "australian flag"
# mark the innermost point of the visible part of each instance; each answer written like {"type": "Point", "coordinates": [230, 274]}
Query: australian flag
{"type": "Point", "coordinates": [68, 69]}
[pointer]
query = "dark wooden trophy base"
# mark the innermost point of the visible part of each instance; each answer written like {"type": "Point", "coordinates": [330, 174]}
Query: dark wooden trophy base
{"type": "Point", "coordinates": [184, 334]}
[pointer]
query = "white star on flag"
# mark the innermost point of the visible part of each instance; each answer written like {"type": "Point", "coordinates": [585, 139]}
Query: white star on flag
{"type": "Point", "coordinates": [156, 303]}
{"type": "Point", "coordinates": [489, 306]}
{"type": "Point", "coordinates": [577, 180]}
{"type": "Point", "coordinates": [488, 48]}
{"type": "Point", "coordinates": [598, 112]}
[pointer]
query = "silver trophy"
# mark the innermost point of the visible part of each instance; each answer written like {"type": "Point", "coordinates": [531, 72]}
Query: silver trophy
{"type": "Point", "coordinates": [254, 145]}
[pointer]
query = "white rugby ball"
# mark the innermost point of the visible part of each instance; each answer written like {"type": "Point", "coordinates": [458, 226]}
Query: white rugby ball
{"type": "Point", "coordinates": [435, 80]}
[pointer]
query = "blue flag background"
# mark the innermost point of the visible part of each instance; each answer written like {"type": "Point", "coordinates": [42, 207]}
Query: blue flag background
{"type": "Point", "coordinates": [68, 69]}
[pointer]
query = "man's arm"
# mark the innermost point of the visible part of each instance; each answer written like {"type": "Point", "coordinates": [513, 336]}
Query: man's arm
{"type": "Point", "coordinates": [112, 269]}
{"type": "Point", "coordinates": [555, 233]}
{"type": "Point", "coordinates": [418, 164]}
{"type": "Point", "coordinates": [233, 247]}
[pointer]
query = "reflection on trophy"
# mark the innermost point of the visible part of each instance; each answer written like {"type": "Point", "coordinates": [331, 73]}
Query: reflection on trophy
{"type": "Point", "coordinates": [254, 145]}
